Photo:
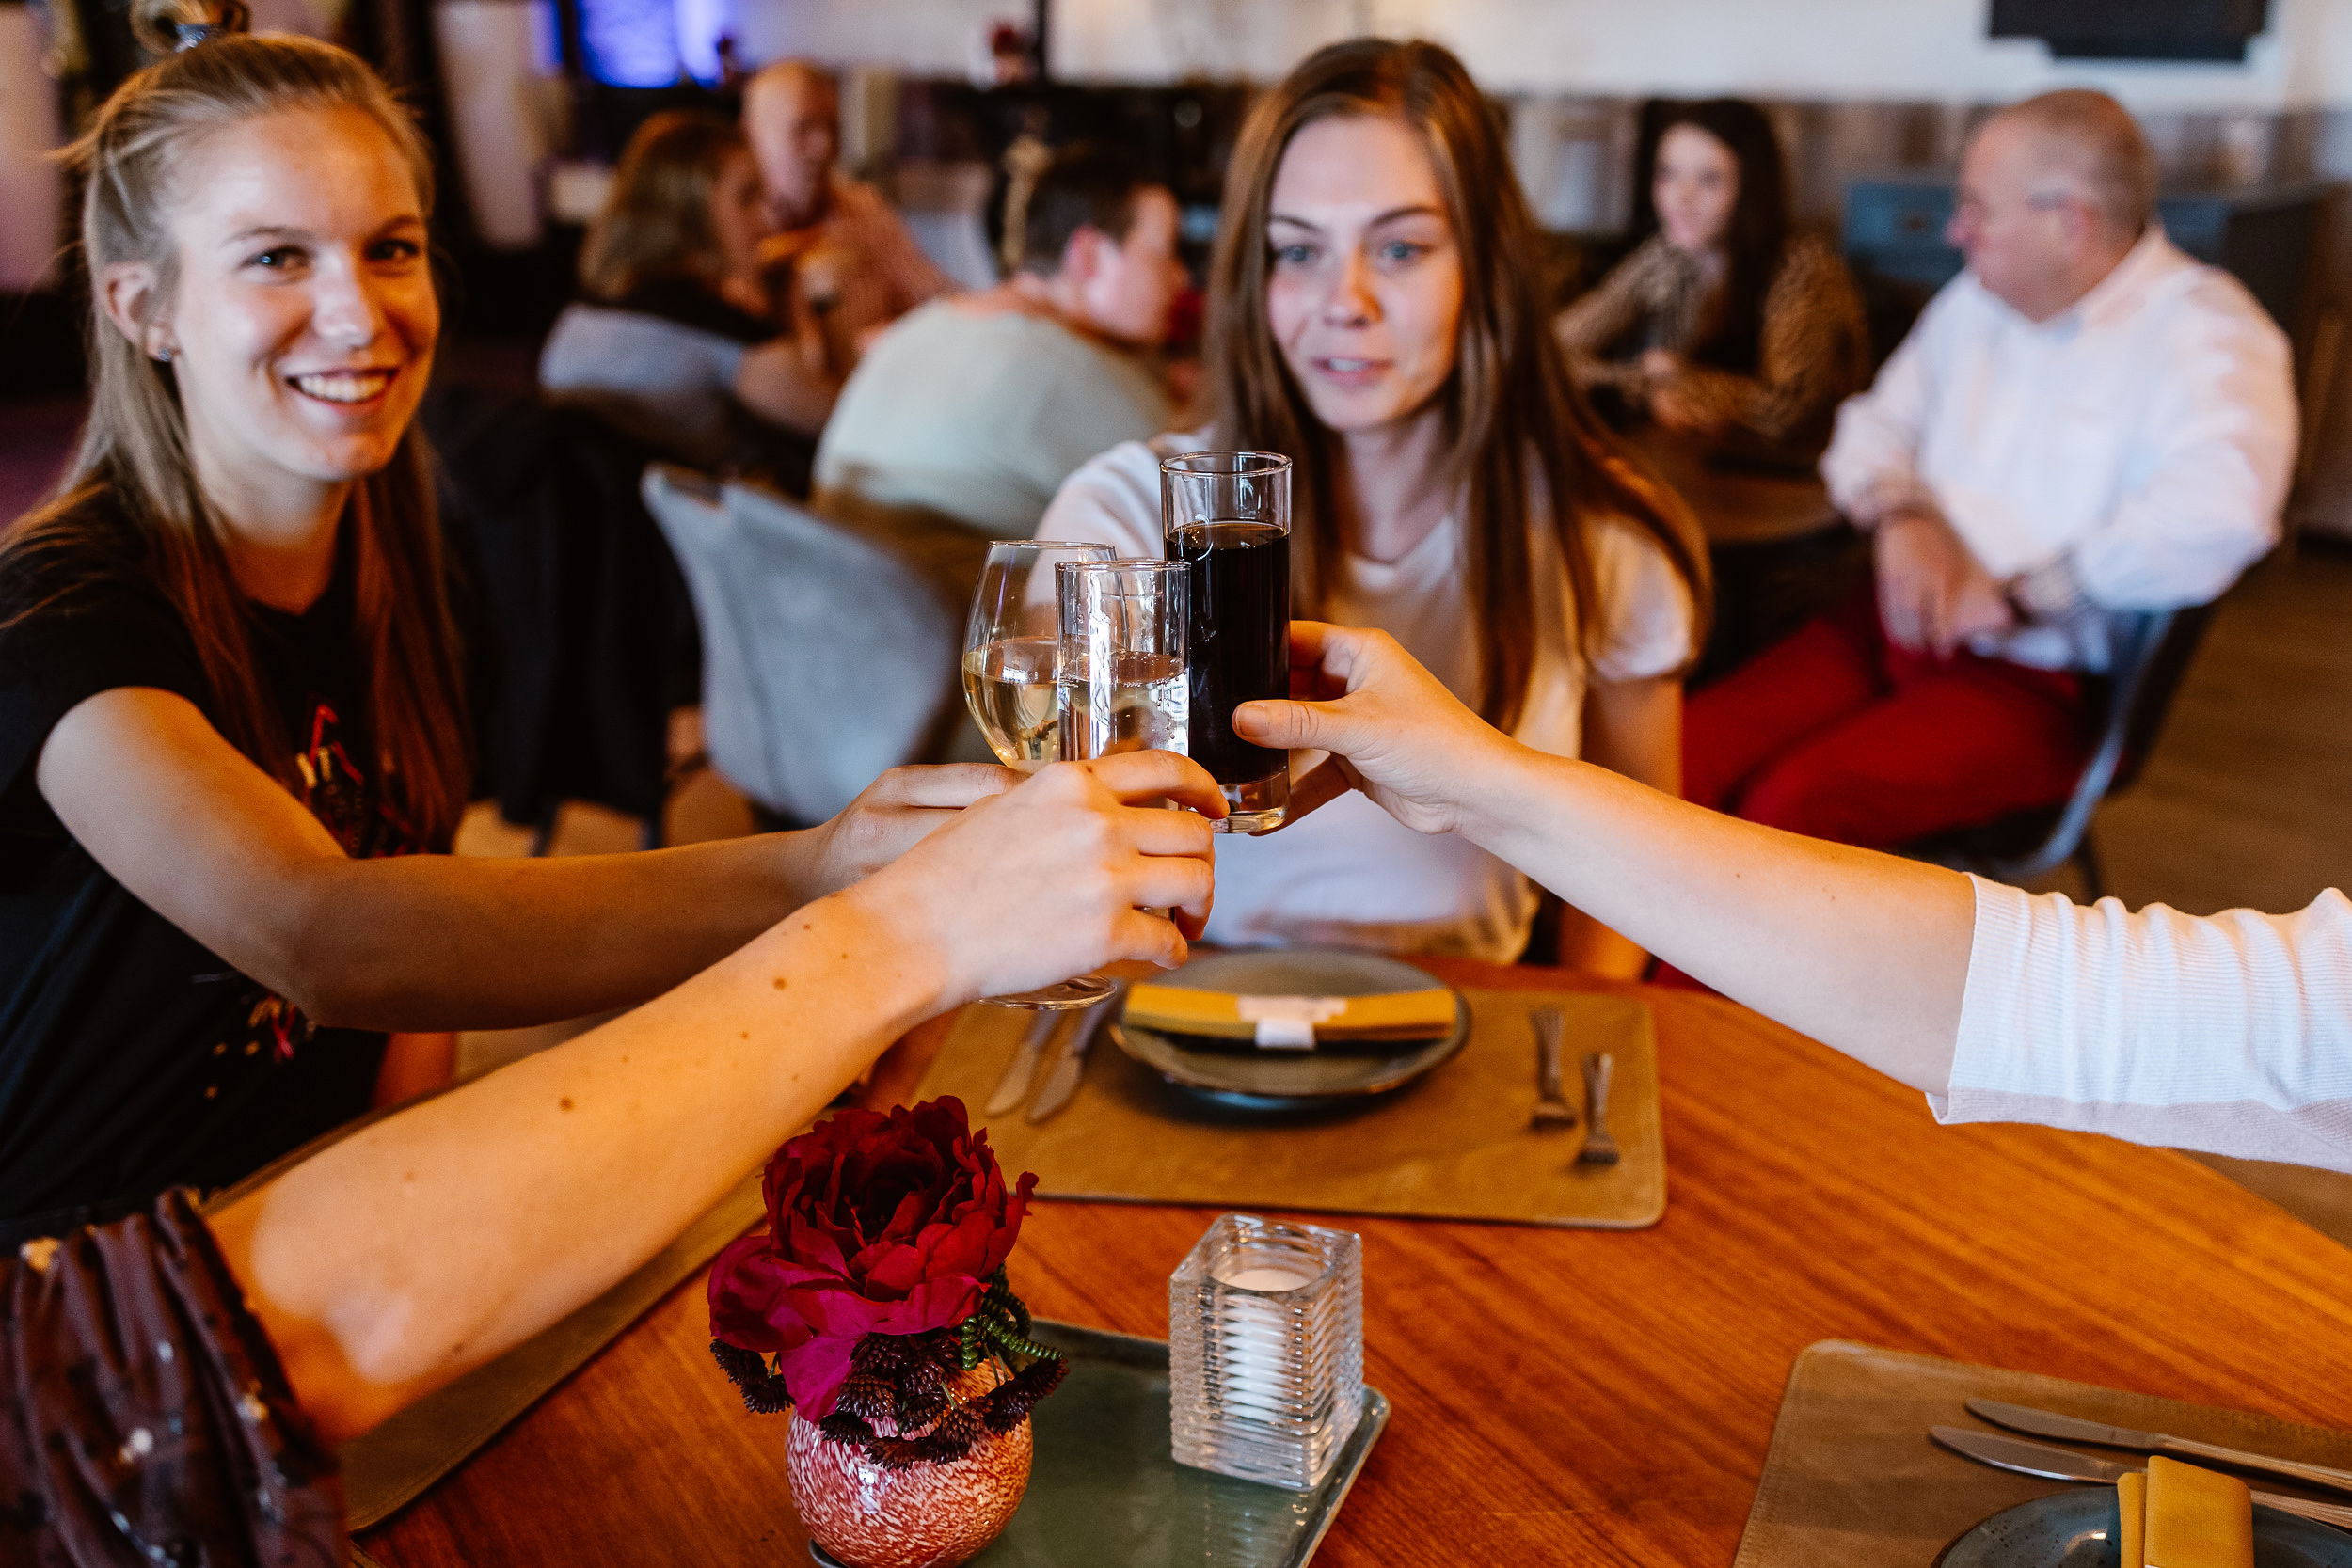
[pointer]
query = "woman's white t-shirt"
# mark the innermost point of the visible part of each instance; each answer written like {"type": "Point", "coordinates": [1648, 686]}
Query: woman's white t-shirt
{"type": "Point", "coordinates": [1349, 875]}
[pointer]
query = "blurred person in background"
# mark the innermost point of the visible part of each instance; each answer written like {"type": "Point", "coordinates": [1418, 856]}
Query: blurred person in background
{"type": "Point", "coordinates": [1722, 324]}
{"type": "Point", "coordinates": [840, 253]}
{"type": "Point", "coordinates": [678, 343]}
{"type": "Point", "coordinates": [1375, 314]}
{"type": "Point", "coordinates": [976, 407]}
{"type": "Point", "coordinates": [2085, 422]}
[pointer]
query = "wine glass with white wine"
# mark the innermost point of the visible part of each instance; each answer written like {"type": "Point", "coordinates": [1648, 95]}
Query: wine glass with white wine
{"type": "Point", "coordinates": [1008, 649]}
{"type": "Point", "coordinates": [1009, 646]}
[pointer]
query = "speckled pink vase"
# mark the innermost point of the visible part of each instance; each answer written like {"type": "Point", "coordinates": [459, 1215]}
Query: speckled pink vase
{"type": "Point", "coordinates": [922, 1516]}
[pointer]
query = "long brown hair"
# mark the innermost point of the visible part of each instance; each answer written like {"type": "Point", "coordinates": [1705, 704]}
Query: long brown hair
{"type": "Point", "coordinates": [1758, 238]}
{"type": "Point", "coordinates": [655, 220]}
{"type": "Point", "coordinates": [134, 461]}
{"type": "Point", "coordinates": [1519, 435]}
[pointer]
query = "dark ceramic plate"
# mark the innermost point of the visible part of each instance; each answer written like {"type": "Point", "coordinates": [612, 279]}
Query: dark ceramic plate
{"type": "Point", "coordinates": [1104, 1489]}
{"type": "Point", "coordinates": [2077, 1530]}
{"type": "Point", "coordinates": [1292, 1080]}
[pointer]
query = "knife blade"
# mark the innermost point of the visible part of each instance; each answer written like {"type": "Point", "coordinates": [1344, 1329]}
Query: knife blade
{"type": "Point", "coordinates": [1061, 1079]}
{"type": "Point", "coordinates": [2049, 1423]}
{"type": "Point", "coordinates": [1013, 1087]}
{"type": "Point", "coordinates": [2030, 1459]}
{"type": "Point", "coordinates": [2039, 1459]}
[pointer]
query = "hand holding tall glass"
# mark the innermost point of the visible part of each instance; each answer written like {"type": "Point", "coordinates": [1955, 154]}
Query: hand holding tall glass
{"type": "Point", "coordinates": [1009, 645]}
{"type": "Point", "coordinates": [1228, 514]}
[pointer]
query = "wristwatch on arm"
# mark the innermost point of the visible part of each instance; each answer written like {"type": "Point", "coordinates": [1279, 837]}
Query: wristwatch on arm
{"type": "Point", "coordinates": [2050, 592]}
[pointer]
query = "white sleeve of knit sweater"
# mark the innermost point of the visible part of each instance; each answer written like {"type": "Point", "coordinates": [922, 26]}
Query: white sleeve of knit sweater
{"type": "Point", "coordinates": [2230, 1034]}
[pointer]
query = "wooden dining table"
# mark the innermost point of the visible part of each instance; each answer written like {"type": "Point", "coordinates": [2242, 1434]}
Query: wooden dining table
{"type": "Point", "coordinates": [1560, 1396]}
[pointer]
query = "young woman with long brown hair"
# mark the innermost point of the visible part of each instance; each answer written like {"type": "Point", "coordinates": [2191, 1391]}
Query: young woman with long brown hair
{"type": "Point", "coordinates": [1721, 324]}
{"type": "Point", "coordinates": [1375, 314]}
{"type": "Point", "coordinates": [232, 729]}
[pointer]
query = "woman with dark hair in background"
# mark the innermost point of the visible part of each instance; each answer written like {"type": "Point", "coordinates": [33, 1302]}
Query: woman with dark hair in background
{"type": "Point", "coordinates": [678, 343]}
{"type": "Point", "coordinates": [1373, 314]}
{"type": "Point", "coordinates": [233, 744]}
{"type": "Point", "coordinates": [1721, 324]}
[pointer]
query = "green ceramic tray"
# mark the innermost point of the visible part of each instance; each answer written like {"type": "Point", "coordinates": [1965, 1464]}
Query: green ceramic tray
{"type": "Point", "coordinates": [1103, 1488]}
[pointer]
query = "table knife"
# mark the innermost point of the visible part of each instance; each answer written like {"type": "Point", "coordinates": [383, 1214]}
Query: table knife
{"type": "Point", "coordinates": [1013, 1087]}
{"type": "Point", "coordinates": [2046, 1423]}
{"type": "Point", "coordinates": [2039, 1459]}
{"type": "Point", "coordinates": [1061, 1078]}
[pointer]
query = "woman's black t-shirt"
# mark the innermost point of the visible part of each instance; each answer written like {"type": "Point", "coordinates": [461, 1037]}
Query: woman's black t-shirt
{"type": "Point", "coordinates": [132, 1059]}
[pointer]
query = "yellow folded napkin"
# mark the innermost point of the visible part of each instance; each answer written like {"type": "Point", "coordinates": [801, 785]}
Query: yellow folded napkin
{"type": "Point", "coordinates": [1293, 1022]}
{"type": "Point", "coordinates": [2131, 1507]}
{"type": "Point", "coordinates": [2196, 1518]}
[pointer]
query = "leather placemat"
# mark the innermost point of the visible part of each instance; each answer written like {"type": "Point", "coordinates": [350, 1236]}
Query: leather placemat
{"type": "Point", "coordinates": [1454, 1146]}
{"type": "Point", "coordinates": [1853, 1482]}
{"type": "Point", "coordinates": [386, 1468]}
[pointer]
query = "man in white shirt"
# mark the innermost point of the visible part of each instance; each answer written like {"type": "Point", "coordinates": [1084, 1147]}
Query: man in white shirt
{"type": "Point", "coordinates": [2085, 422]}
{"type": "Point", "coordinates": [975, 408]}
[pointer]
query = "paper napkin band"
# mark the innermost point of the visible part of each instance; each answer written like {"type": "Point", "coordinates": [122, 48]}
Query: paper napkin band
{"type": "Point", "coordinates": [2196, 1518]}
{"type": "Point", "coordinates": [1293, 1022]}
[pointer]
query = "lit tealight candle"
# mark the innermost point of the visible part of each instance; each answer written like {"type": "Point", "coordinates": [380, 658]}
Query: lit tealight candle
{"type": "Point", "coordinates": [1265, 1355]}
{"type": "Point", "coordinates": [1262, 1278]}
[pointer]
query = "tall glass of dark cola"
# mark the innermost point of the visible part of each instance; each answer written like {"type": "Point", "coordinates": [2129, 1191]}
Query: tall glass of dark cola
{"type": "Point", "coordinates": [1228, 514]}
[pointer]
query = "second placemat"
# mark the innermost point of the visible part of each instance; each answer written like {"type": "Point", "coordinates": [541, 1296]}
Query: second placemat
{"type": "Point", "coordinates": [1852, 1480]}
{"type": "Point", "coordinates": [1454, 1146]}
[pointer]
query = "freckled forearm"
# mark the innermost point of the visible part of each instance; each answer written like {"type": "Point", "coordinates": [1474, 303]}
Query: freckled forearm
{"type": "Point", "coordinates": [495, 1209]}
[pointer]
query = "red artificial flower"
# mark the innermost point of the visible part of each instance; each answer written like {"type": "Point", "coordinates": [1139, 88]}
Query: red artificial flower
{"type": "Point", "coordinates": [876, 1225]}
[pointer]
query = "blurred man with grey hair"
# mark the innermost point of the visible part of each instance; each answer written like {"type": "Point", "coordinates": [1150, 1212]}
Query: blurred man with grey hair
{"type": "Point", "coordinates": [843, 261]}
{"type": "Point", "coordinates": [2084, 421]}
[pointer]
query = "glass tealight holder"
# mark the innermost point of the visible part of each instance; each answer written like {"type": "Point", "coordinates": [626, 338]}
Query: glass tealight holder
{"type": "Point", "coordinates": [1266, 1350]}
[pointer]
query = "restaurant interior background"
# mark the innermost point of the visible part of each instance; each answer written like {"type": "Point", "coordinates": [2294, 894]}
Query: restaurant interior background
{"type": "Point", "coordinates": [529, 98]}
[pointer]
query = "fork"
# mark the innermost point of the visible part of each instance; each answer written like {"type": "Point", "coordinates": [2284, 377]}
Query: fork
{"type": "Point", "coordinates": [1599, 1148]}
{"type": "Point", "coordinates": [1551, 1105]}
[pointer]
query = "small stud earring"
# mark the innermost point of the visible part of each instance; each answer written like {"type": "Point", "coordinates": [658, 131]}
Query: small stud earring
{"type": "Point", "coordinates": [163, 356]}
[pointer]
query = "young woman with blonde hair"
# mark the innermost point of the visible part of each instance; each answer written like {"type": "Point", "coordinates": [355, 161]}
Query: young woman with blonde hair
{"type": "Point", "coordinates": [234, 745]}
{"type": "Point", "coordinates": [1375, 314]}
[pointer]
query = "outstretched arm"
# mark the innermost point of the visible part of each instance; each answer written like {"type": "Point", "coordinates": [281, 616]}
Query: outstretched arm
{"type": "Point", "coordinates": [2230, 1033]}
{"type": "Point", "coordinates": [213, 844]}
{"type": "Point", "coordinates": [1863, 951]}
{"type": "Point", "coordinates": [428, 1242]}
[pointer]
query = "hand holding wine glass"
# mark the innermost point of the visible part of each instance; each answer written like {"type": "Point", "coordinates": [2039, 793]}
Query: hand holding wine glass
{"type": "Point", "coordinates": [894, 813]}
{"type": "Point", "coordinates": [1062, 874]}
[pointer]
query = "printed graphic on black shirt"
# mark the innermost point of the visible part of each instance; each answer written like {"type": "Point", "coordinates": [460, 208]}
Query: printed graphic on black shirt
{"type": "Point", "coordinates": [133, 1058]}
{"type": "Point", "coordinates": [349, 806]}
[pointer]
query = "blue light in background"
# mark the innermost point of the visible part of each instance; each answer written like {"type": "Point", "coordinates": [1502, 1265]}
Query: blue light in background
{"type": "Point", "coordinates": [700, 26]}
{"type": "Point", "coordinates": [630, 43]}
{"type": "Point", "coordinates": [651, 43]}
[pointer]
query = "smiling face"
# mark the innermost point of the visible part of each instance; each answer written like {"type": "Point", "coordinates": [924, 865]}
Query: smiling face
{"type": "Point", "coordinates": [301, 322]}
{"type": "Point", "coordinates": [1365, 280]}
{"type": "Point", "coordinates": [1696, 188]}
